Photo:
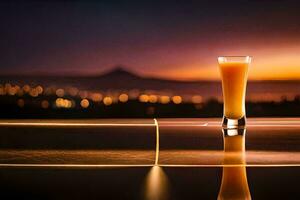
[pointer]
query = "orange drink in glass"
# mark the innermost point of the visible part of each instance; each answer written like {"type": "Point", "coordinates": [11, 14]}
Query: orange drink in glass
{"type": "Point", "coordinates": [234, 73]}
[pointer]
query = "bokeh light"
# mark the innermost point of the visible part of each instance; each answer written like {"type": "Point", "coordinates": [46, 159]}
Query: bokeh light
{"type": "Point", "coordinates": [123, 98]}
{"type": "Point", "coordinates": [107, 101]}
{"type": "Point", "coordinates": [73, 91]}
{"type": "Point", "coordinates": [84, 103]}
{"type": "Point", "coordinates": [177, 99]}
{"type": "Point", "coordinates": [26, 88]}
{"type": "Point", "coordinates": [144, 98]}
{"type": "Point", "coordinates": [39, 89]}
{"type": "Point", "coordinates": [63, 103]}
{"type": "Point", "coordinates": [197, 99]}
{"type": "Point", "coordinates": [96, 97]}
{"type": "Point", "coordinates": [12, 91]}
{"type": "Point", "coordinates": [153, 98]}
{"type": "Point", "coordinates": [60, 92]}
{"type": "Point", "coordinates": [45, 104]}
{"type": "Point", "coordinates": [164, 99]}
{"type": "Point", "coordinates": [33, 92]}
{"type": "Point", "coordinates": [83, 94]}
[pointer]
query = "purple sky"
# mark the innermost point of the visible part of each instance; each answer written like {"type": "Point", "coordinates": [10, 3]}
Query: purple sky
{"type": "Point", "coordinates": [174, 40]}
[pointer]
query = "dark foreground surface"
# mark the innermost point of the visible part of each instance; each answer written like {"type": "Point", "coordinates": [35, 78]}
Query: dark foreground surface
{"type": "Point", "coordinates": [115, 159]}
{"type": "Point", "coordinates": [140, 183]}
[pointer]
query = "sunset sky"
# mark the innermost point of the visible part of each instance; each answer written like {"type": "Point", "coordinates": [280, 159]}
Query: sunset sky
{"type": "Point", "coordinates": [165, 39]}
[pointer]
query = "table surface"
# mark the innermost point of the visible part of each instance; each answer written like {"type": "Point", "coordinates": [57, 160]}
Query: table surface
{"type": "Point", "coordinates": [143, 158]}
{"type": "Point", "coordinates": [143, 142]}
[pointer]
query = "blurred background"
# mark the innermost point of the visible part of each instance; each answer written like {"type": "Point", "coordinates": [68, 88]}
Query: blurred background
{"type": "Point", "coordinates": [113, 59]}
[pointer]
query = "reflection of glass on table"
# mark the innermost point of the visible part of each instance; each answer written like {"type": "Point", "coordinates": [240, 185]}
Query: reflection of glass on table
{"type": "Point", "coordinates": [234, 178]}
{"type": "Point", "coordinates": [198, 142]}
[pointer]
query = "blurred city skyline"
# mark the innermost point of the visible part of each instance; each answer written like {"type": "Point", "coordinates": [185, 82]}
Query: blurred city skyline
{"type": "Point", "coordinates": [167, 40]}
{"type": "Point", "coordinates": [121, 93]}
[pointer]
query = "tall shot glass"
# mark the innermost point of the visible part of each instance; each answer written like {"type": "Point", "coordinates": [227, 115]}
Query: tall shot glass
{"type": "Point", "coordinates": [234, 73]}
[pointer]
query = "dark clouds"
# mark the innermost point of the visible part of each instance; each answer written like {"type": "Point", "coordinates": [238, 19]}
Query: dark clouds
{"type": "Point", "coordinates": [83, 37]}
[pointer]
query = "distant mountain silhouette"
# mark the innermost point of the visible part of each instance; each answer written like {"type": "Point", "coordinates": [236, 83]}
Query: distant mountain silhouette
{"type": "Point", "coordinates": [119, 72]}
{"type": "Point", "coordinates": [121, 79]}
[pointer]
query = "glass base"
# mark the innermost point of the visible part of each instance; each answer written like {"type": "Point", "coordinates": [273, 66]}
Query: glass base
{"type": "Point", "coordinates": [234, 132]}
{"type": "Point", "coordinates": [234, 123]}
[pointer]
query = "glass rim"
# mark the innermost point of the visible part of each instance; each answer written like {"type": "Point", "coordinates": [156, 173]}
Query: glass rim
{"type": "Point", "coordinates": [229, 59]}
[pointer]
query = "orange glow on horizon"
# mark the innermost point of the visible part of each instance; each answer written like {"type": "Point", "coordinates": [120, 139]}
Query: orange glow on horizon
{"type": "Point", "coordinates": [256, 72]}
{"type": "Point", "coordinates": [277, 62]}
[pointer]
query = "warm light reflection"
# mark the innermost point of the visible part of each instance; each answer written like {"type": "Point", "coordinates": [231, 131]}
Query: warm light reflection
{"type": "Point", "coordinates": [156, 185]}
{"type": "Point", "coordinates": [157, 141]}
{"type": "Point", "coordinates": [234, 179]}
{"type": "Point", "coordinates": [73, 124]}
{"type": "Point", "coordinates": [234, 184]}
